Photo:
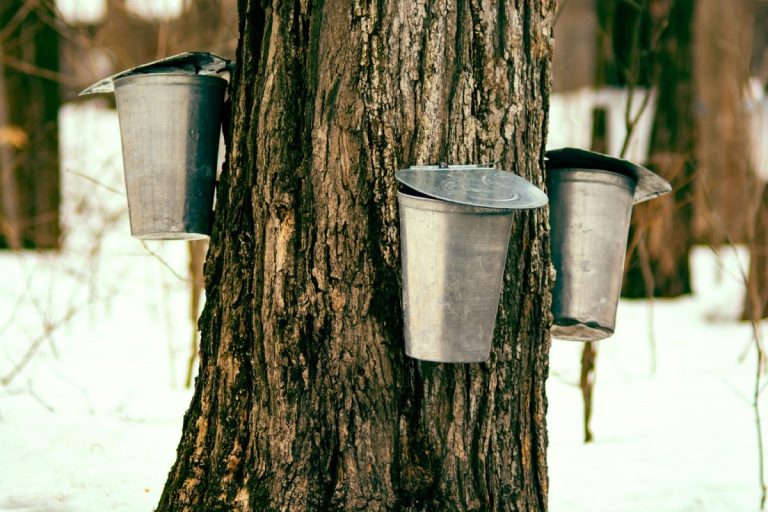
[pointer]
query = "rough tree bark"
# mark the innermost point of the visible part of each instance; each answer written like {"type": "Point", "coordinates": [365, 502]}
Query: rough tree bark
{"type": "Point", "coordinates": [29, 129]}
{"type": "Point", "coordinates": [305, 399]}
{"type": "Point", "coordinates": [662, 234]}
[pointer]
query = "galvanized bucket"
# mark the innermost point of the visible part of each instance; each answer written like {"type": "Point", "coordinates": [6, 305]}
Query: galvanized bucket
{"type": "Point", "coordinates": [170, 127]}
{"type": "Point", "coordinates": [453, 249]}
{"type": "Point", "coordinates": [591, 197]}
{"type": "Point", "coordinates": [170, 121]}
{"type": "Point", "coordinates": [453, 259]}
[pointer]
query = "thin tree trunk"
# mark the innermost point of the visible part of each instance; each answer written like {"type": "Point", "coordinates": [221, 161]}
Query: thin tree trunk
{"type": "Point", "coordinates": [589, 351]}
{"type": "Point", "coordinates": [756, 294]}
{"type": "Point", "coordinates": [666, 225]}
{"type": "Point", "coordinates": [587, 385]}
{"type": "Point", "coordinates": [304, 398]}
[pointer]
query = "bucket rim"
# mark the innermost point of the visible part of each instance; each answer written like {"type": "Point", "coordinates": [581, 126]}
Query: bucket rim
{"type": "Point", "coordinates": [171, 235]}
{"type": "Point", "coordinates": [455, 359]}
{"type": "Point", "coordinates": [168, 77]}
{"type": "Point", "coordinates": [649, 184]}
{"type": "Point", "coordinates": [623, 178]}
{"type": "Point", "coordinates": [187, 63]}
{"type": "Point", "coordinates": [414, 199]}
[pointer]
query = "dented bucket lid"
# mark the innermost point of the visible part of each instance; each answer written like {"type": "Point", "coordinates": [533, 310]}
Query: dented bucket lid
{"type": "Point", "coordinates": [473, 185]}
{"type": "Point", "coordinates": [649, 184]}
{"type": "Point", "coordinates": [188, 63]}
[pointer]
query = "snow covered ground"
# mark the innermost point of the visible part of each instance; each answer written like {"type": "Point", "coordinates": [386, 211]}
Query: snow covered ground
{"type": "Point", "coordinates": [91, 422]}
{"type": "Point", "coordinates": [681, 438]}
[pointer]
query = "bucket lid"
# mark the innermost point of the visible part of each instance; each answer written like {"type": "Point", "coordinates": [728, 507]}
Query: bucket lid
{"type": "Point", "coordinates": [473, 185]}
{"type": "Point", "coordinates": [188, 63]}
{"type": "Point", "coordinates": [649, 184]}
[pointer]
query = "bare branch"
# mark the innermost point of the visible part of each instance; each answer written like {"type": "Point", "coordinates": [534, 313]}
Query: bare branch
{"type": "Point", "coordinates": [163, 262]}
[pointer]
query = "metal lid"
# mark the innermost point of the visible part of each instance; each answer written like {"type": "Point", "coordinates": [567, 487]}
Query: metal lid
{"type": "Point", "coordinates": [188, 63]}
{"type": "Point", "coordinates": [649, 184]}
{"type": "Point", "coordinates": [473, 185]}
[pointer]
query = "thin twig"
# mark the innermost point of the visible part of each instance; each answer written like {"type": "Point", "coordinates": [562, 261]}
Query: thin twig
{"type": "Point", "coordinates": [758, 421]}
{"type": "Point", "coordinates": [754, 316]}
{"type": "Point", "coordinates": [163, 262]}
{"type": "Point", "coordinates": [36, 344]}
{"type": "Point", "coordinates": [17, 19]}
{"type": "Point", "coordinates": [38, 398]}
{"type": "Point", "coordinates": [33, 70]}
{"type": "Point", "coordinates": [97, 182]}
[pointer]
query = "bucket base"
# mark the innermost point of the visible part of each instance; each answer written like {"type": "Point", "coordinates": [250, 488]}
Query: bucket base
{"type": "Point", "coordinates": [171, 236]}
{"type": "Point", "coordinates": [569, 329]}
{"type": "Point", "coordinates": [448, 358]}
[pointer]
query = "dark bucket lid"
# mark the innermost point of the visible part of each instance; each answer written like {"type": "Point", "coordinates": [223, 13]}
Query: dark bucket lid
{"type": "Point", "coordinates": [188, 63]}
{"type": "Point", "coordinates": [473, 185]}
{"type": "Point", "coordinates": [649, 184]}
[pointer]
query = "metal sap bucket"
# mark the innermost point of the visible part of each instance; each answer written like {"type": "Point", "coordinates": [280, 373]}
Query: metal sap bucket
{"type": "Point", "coordinates": [455, 224]}
{"type": "Point", "coordinates": [591, 197]}
{"type": "Point", "coordinates": [170, 120]}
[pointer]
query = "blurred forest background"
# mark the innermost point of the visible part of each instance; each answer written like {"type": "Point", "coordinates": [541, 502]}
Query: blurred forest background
{"type": "Point", "coordinates": [676, 85]}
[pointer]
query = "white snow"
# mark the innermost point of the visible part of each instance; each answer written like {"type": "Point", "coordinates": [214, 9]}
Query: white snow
{"type": "Point", "coordinates": [93, 11]}
{"type": "Point", "coordinates": [681, 438]}
{"type": "Point", "coordinates": [92, 422]}
{"type": "Point", "coordinates": [157, 9]}
{"type": "Point", "coordinates": [82, 11]}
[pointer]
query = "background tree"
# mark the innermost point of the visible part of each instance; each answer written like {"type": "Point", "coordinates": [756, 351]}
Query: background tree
{"type": "Point", "coordinates": [725, 188]}
{"type": "Point", "coordinates": [662, 234]}
{"type": "Point", "coordinates": [756, 297]}
{"type": "Point", "coordinates": [305, 399]}
{"type": "Point", "coordinates": [29, 108]}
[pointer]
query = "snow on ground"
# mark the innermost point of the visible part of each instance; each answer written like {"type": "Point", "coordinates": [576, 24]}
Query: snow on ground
{"type": "Point", "coordinates": [91, 423]}
{"type": "Point", "coordinates": [681, 438]}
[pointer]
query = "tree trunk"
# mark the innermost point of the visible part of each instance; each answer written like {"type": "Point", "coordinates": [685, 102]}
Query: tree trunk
{"type": "Point", "coordinates": [305, 399]}
{"type": "Point", "coordinates": [756, 297]}
{"type": "Point", "coordinates": [573, 65]}
{"type": "Point", "coordinates": [724, 185]}
{"type": "Point", "coordinates": [623, 43]}
{"type": "Point", "coordinates": [661, 237]}
{"type": "Point", "coordinates": [29, 138]}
